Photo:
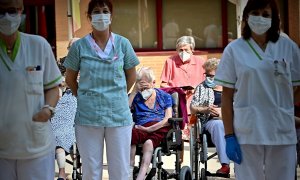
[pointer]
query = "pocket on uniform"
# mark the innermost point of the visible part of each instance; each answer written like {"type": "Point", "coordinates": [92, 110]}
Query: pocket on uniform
{"type": "Point", "coordinates": [119, 68]}
{"type": "Point", "coordinates": [35, 82]}
{"type": "Point", "coordinates": [285, 120]}
{"type": "Point", "coordinates": [88, 105]}
{"type": "Point", "coordinates": [243, 120]}
{"type": "Point", "coordinates": [40, 135]}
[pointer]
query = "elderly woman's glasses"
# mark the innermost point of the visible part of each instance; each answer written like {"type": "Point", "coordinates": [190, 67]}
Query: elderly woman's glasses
{"type": "Point", "coordinates": [209, 75]}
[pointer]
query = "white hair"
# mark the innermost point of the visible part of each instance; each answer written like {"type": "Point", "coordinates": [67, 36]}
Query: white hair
{"type": "Point", "coordinates": [145, 71]}
{"type": "Point", "coordinates": [185, 40]}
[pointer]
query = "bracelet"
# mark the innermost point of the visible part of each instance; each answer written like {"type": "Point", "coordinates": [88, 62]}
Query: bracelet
{"type": "Point", "coordinates": [229, 135]}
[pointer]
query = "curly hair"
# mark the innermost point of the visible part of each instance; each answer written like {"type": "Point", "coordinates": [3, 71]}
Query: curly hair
{"type": "Point", "coordinates": [211, 64]}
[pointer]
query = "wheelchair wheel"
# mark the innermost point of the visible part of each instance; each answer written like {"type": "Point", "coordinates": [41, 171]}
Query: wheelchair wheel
{"type": "Point", "coordinates": [185, 173]}
{"type": "Point", "coordinates": [195, 151]}
{"type": "Point", "coordinates": [192, 151]}
{"type": "Point", "coordinates": [203, 152]}
{"type": "Point", "coordinates": [76, 177]}
{"type": "Point", "coordinates": [203, 174]}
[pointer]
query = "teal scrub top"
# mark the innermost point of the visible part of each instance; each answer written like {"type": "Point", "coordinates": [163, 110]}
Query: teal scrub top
{"type": "Point", "coordinates": [102, 99]}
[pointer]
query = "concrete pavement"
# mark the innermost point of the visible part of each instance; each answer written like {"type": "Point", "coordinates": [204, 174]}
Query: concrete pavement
{"type": "Point", "coordinates": [213, 165]}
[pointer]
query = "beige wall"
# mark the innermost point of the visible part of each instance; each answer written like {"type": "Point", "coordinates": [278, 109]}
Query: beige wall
{"type": "Point", "coordinates": [62, 29]}
{"type": "Point", "coordinates": [156, 62]}
{"type": "Point", "coordinates": [294, 18]}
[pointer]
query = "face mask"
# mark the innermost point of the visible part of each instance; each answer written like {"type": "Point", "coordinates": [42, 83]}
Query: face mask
{"type": "Point", "coordinates": [258, 24]}
{"type": "Point", "coordinates": [147, 93]}
{"type": "Point", "coordinates": [184, 56]}
{"type": "Point", "coordinates": [9, 24]}
{"type": "Point", "coordinates": [101, 21]}
{"type": "Point", "coordinates": [210, 82]}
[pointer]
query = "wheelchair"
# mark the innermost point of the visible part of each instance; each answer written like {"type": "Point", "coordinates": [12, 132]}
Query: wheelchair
{"type": "Point", "coordinates": [171, 144]}
{"type": "Point", "coordinates": [200, 140]}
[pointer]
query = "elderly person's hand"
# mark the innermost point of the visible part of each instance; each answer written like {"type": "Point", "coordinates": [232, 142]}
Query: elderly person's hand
{"type": "Point", "coordinates": [146, 129]}
{"type": "Point", "coordinates": [213, 111]}
{"type": "Point", "coordinates": [142, 85]}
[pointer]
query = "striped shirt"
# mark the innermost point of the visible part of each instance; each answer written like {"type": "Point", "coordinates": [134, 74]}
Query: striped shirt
{"type": "Point", "coordinates": [102, 93]}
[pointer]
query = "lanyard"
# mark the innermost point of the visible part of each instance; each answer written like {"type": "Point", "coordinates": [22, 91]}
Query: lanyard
{"type": "Point", "coordinates": [256, 53]}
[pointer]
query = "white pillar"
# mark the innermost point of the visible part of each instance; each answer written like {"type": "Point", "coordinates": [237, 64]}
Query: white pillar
{"type": "Point", "coordinates": [239, 14]}
{"type": "Point", "coordinates": [70, 20]}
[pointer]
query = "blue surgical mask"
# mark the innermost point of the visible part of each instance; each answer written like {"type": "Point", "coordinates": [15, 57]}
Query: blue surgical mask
{"type": "Point", "coordinates": [210, 82]}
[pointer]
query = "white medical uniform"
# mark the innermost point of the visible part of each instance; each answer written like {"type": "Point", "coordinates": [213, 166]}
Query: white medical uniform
{"type": "Point", "coordinates": [263, 99]}
{"type": "Point", "coordinates": [22, 85]}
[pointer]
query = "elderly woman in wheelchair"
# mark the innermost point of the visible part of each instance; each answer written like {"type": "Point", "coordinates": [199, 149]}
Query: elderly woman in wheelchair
{"type": "Point", "coordinates": [207, 101]}
{"type": "Point", "coordinates": [151, 109]}
{"type": "Point", "coordinates": [155, 129]}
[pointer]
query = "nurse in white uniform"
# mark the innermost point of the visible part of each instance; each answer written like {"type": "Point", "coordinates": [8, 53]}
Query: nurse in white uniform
{"type": "Point", "coordinates": [29, 79]}
{"type": "Point", "coordinates": [258, 73]}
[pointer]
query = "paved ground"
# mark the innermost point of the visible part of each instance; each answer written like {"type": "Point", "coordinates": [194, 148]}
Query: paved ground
{"type": "Point", "coordinates": [213, 165]}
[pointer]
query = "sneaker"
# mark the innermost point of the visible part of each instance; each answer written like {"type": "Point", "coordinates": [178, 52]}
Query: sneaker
{"type": "Point", "coordinates": [225, 169]}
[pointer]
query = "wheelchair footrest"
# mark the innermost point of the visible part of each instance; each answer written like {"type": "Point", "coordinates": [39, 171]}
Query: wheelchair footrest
{"type": "Point", "coordinates": [151, 174]}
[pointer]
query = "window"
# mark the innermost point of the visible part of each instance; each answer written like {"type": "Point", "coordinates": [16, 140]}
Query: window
{"type": "Point", "coordinates": [37, 18]}
{"type": "Point", "coordinates": [136, 20]}
{"type": "Point", "coordinates": [232, 21]}
{"type": "Point", "coordinates": [155, 25]}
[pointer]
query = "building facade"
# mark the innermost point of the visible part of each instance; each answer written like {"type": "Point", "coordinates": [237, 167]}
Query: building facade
{"type": "Point", "coordinates": [153, 26]}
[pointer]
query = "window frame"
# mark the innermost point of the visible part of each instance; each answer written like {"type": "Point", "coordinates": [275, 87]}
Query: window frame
{"type": "Point", "coordinates": [159, 33]}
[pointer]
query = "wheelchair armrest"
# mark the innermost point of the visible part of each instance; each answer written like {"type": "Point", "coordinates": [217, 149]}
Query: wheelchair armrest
{"type": "Point", "coordinates": [174, 120]}
{"type": "Point", "coordinates": [203, 117]}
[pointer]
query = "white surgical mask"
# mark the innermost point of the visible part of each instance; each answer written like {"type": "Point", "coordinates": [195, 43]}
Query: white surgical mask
{"type": "Point", "coordinates": [101, 21]}
{"type": "Point", "coordinates": [9, 24]}
{"type": "Point", "coordinates": [259, 25]}
{"type": "Point", "coordinates": [147, 93]}
{"type": "Point", "coordinates": [184, 56]}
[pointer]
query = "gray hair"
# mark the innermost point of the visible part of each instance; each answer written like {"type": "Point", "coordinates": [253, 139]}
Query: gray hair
{"type": "Point", "coordinates": [145, 71]}
{"type": "Point", "coordinates": [211, 64]}
{"type": "Point", "coordinates": [185, 40]}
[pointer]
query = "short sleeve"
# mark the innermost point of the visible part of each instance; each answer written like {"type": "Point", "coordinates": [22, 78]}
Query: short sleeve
{"type": "Point", "coordinates": [226, 72]}
{"type": "Point", "coordinates": [73, 58]}
{"type": "Point", "coordinates": [295, 65]}
{"type": "Point", "coordinates": [52, 76]}
{"type": "Point", "coordinates": [130, 58]}
{"type": "Point", "coordinates": [165, 74]}
{"type": "Point", "coordinates": [196, 97]}
{"type": "Point", "coordinates": [168, 100]}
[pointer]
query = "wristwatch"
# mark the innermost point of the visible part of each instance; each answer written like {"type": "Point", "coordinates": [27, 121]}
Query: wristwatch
{"type": "Point", "coordinates": [52, 109]}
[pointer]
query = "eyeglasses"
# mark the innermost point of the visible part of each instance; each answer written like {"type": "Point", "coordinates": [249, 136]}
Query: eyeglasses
{"type": "Point", "coordinates": [209, 75]}
{"type": "Point", "coordinates": [10, 11]}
